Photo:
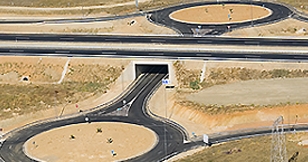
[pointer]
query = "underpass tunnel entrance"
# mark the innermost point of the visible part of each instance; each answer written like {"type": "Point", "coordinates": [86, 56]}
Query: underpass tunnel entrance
{"type": "Point", "coordinates": [154, 68]}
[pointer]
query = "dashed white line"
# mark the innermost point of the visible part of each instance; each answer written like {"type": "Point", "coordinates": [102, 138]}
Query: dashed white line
{"type": "Point", "coordinates": [16, 51]}
{"type": "Point", "coordinates": [66, 38]}
{"type": "Point", "coordinates": [62, 51]}
{"type": "Point", "coordinates": [204, 55]}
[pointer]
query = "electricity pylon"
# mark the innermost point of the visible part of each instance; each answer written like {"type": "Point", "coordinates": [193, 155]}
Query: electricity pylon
{"type": "Point", "coordinates": [278, 152]}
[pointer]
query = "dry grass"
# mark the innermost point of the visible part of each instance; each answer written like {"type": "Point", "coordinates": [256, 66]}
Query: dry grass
{"type": "Point", "coordinates": [186, 78]}
{"type": "Point", "coordinates": [120, 10]}
{"type": "Point", "coordinates": [228, 75]}
{"type": "Point", "coordinates": [218, 76]}
{"type": "Point", "coordinates": [226, 109]}
{"type": "Point", "coordinates": [301, 5]}
{"type": "Point", "coordinates": [81, 82]}
{"type": "Point", "coordinates": [58, 3]}
{"type": "Point", "coordinates": [252, 149]}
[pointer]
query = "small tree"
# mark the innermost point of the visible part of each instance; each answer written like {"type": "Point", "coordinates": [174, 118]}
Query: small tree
{"type": "Point", "coordinates": [99, 130]}
{"type": "Point", "coordinates": [194, 85]}
{"type": "Point", "coordinates": [72, 136]}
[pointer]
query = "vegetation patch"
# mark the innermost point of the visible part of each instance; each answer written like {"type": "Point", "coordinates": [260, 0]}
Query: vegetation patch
{"type": "Point", "coordinates": [190, 78]}
{"type": "Point", "coordinates": [252, 149]}
{"type": "Point", "coordinates": [186, 78]}
{"type": "Point", "coordinates": [225, 109]}
{"type": "Point", "coordinates": [301, 5]}
{"type": "Point", "coordinates": [81, 82]}
{"type": "Point", "coordinates": [218, 76]}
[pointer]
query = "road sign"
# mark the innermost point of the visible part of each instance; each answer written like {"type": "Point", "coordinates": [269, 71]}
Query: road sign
{"type": "Point", "coordinates": [205, 138]}
{"type": "Point", "coordinates": [165, 81]}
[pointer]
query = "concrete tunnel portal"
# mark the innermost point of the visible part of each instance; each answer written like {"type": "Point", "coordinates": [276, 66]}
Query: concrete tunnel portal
{"type": "Point", "coordinates": [151, 68]}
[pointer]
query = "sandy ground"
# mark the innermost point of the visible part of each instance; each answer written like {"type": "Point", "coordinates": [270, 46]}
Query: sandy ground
{"type": "Point", "coordinates": [89, 145]}
{"type": "Point", "coordinates": [218, 14]}
{"type": "Point", "coordinates": [269, 92]}
{"type": "Point", "coordinates": [200, 123]}
{"type": "Point", "coordinates": [288, 27]}
{"type": "Point", "coordinates": [115, 90]}
{"type": "Point", "coordinates": [140, 26]}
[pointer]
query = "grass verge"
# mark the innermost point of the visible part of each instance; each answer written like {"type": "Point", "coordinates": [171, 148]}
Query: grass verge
{"type": "Point", "coordinates": [252, 149]}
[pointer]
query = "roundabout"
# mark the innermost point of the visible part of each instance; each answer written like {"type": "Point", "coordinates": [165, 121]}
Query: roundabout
{"type": "Point", "coordinates": [200, 18]}
{"type": "Point", "coordinates": [91, 141]}
{"type": "Point", "coordinates": [220, 14]}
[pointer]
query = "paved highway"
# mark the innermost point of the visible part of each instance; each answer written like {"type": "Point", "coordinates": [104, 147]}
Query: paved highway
{"type": "Point", "coordinates": [142, 54]}
{"type": "Point", "coordinates": [279, 12]}
{"type": "Point", "coordinates": [170, 138]}
{"type": "Point", "coordinates": [155, 39]}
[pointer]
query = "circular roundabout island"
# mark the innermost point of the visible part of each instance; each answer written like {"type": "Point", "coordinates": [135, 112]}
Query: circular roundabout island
{"type": "Point", "coordinates": [220, 14]}
{"type": "Point", "coordinates": [97, 141]}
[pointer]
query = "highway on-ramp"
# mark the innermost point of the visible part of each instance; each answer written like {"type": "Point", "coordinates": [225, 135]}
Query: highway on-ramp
{"type": "Point", "coordinates": [279, 12]}
{"type": "Point", "coordinates": [170, 137]}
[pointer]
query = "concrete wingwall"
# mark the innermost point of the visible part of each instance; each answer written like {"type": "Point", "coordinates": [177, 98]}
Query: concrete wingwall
{"type": "Point", "coordinates": [129, 73]}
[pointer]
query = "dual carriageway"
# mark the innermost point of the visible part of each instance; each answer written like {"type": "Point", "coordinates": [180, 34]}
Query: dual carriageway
{"type": "Point", "coordinates": [171, 136]}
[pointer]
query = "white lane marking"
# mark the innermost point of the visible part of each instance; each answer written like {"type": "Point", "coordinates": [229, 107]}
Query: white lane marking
{"type": "Point", "coordinates": [158, 53]}
{"type": "Point", "coordinates": [109, 53]}
{"type": "Point", "coordinates": [158, 40]}
{"type": "Point", "coordinates": [300, 57]}
{"type": "Point", "coordinates": [66, 38]}
{"type": "Point", "coordinates": [252, 56]}
{"type": "Point", "coordinates": [204, 55]}
{"type": "Point", "coordinates": [16, 51]}
{"type": "Point", "coordinates": [111, 39]}
{"type": "Point", "coordinates": [204, 41]}
{"type": "Point", "coordinates": [25, 38]}
{"type": "Point", "coordinates": [62, 51]}
{"type": "Point", "coordinates": [250, 42]}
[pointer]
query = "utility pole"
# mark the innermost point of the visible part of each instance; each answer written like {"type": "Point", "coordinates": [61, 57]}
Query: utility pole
{"type": "Point", "coordinates": [278, 152]}
{"type": "Point", "coordinates": [251, 13]}
{"type": "Point", "coordinates": [136, 3]}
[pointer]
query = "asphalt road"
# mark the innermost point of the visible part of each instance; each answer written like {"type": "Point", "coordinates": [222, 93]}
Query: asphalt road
{"type": "Point", "coordinates": [147, 54]}
{"type": "Point", "coordinates": [170, 138]}
{"type": "Point", "coordinates": [279, 12]}
{"type": "Point", "coordinates": [154, 39]}
{"type": "Point", "coordinates": [73, 20]}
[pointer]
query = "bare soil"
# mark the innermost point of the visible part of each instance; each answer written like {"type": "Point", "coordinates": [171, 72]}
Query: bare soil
{"type": "Point", "coordinates": [288, 27]}
{"type": "Point", "coordinates": [269, 92]}
{"type": "Point", "coordinates": [199, 123]}
{"type": "Point", "coordinates": [252, 149]}
{"type": "Point", "coordinates": [81, 70]}
{"type": "Point", "coordinates": [220, 14]}
{"type": "Point", "coordinates": [57, 145]}
{"type": "Point", "coordinates": [140, 26]}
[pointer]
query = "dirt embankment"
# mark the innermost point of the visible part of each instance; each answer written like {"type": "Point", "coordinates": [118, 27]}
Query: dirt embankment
{"type": "Point", "coordinates": [195, 120]}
